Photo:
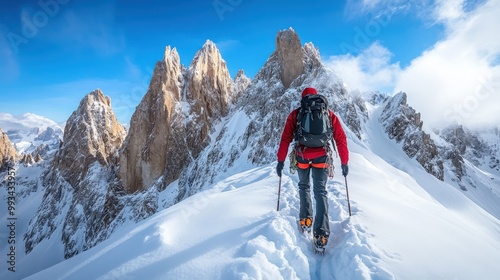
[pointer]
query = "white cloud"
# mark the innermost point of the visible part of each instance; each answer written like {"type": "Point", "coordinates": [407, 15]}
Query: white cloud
{"type": "Point", "coordinates": [370, 70]}
{"type": "Point", "coordinates": [449, 11]}
{"type": "Point", "coordinates": [355, 8]}
{"type": "Point", "coordinates": [457, 80]}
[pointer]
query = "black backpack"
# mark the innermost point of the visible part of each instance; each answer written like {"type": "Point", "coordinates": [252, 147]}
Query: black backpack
{"type": "Point", "coordinates": [314, 126]}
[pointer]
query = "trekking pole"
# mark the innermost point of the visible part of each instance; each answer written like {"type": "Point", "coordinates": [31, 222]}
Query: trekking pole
{"type": "Point", "coordinates": [279, 192]}
{"type": "Point", "coordinates": [347, 191]}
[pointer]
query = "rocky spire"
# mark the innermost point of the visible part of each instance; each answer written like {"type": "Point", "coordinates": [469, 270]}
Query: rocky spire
{"type": "Point", "coordinates": [171, 124]}
{"type": "Point", "coordinates": [403, 124]}
{"type": "Point", "coordinates": [143, 157]}
{"type": "Point", "coordinates": [7, 151]}
{"type": "Point", "coordinates": [79, 179]}
{"type": "Point", "coordinates": [209, 82]}
{"type": "Point", "coordinates": [290, 55]}
{"type": "Point", "coordinates": [92, 134]}
{"type": "Point", "coordinates": [27, 159]}
{"type": "Point", "coordinates": [241, 83]}
{"type": "Point", "coordinates": [209, 93]}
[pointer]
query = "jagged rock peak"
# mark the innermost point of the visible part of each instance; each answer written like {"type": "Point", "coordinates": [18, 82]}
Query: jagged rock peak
{"type": "Point", "coordinates": [172, 122]}
{"type": "Point", "coordinates": [241, 83]}
{"type": "Point", "coordinates": [27, 160]}
{"type": "Point", "coordinates": [96, 96]}
{"type": "Point", "coordinates": [241, 78]}
{"type": "Point", "coordinates": [208, 69]}
{"type": "Point", "coordinates": [399, 103]}
{"type": "Point", "coordinates": [210, 85]}
{"type": "Point", "coordinates": [241, 73]}
{"type": "Point", "coordinates": [209, 46]}
{"type": "Point", "coordinates": [207, 50]}
{"type": "Point", "coordinates": [7, 150]}
{"type": "Point", "coordinates": [290, 55]}
{"type": "Point", "coordinates": [312, 55]}
{"type": "Point", "coordinates": [38, 158]}
{"type": "Point", "coordinates": [143, 154]}
{"type": "Point", "coordinates": [403, 124]}
{"type": "Point", "coordinates": [92, 134]}
{"type": "Point", "coordinates": [170, 53]}
{"type": "Point", "coordinates": [169, 68]}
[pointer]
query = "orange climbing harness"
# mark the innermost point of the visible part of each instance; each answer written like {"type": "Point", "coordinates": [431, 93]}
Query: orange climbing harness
{"type": "Point", "coordinates": [315, 165]}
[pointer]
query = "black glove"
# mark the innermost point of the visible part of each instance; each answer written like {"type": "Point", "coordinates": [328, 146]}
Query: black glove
{"type": "Point", "coordinates": [279, 167]}
{"type": "Point", "coordinates": [345, 169]}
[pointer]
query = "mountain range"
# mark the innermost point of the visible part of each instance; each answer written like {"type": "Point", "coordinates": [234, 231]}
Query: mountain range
{"type": "Point", "coordinates": [193, 178]}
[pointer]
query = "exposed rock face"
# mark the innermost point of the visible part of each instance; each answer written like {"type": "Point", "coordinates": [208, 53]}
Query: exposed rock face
{"type": "Point", "coordinates": [7, 151]}
{"type": "Point", "coordinates": [27, 160]}
{"type": "Point", "coordinates": [290, 56]}
{"type": "Point", "coordinates": [263, 108]}
{"type": "Point", "coordinates": [402, 123]}
{"type": "Point", "coordinates": [38, 158]}
{"type": "Point", "coordinates": [465, 144]}
{"type": "Point", "coordinates": [92, 134]}
{"type": "Point", "coordinates": [171, 124]}
{"type": "Point", "coordinates": [209, 94]}
{"type": "Point", "coordinates": [153, 126]}
{"type": "Point", "coordinates": [454, 153]}
{"type": "Point", "coordinates": [241, 83]}
{"type": "Point", "coordinates": [79, 179]}
{"type": "Point", "coordinates": [43, 151]}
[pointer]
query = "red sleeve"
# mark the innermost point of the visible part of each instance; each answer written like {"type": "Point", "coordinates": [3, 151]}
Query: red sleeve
{"type": "Point", "coordinates": [287, 135]}
{"type": "Point", "coordinates": [340, 139]}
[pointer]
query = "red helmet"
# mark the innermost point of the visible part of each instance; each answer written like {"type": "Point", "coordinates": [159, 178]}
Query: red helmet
{"type": "Point", "coordinates": [309, 90]}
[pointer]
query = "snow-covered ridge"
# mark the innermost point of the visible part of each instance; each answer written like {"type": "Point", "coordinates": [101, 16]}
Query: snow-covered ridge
{"type": "Point", "coordinates": [32, 134]}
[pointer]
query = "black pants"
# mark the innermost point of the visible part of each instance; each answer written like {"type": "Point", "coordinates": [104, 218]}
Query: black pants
{"type": "Point", "coordinates": [321, 224]}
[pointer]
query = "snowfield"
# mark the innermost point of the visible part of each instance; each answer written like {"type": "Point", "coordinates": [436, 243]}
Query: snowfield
{"type": "Point", "coordinates": [400, 228]}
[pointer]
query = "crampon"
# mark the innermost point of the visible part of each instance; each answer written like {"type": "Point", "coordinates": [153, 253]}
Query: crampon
{"type": "Point", "coordinates": [305, 224]}
{"type": "Point", "coordinates": [319, 242]}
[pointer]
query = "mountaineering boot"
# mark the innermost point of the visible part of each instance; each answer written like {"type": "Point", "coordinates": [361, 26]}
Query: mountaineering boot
{"type": "Point", "coordinates": [320, 242]}
{"type": "Point", "coordinates": [306, 223]}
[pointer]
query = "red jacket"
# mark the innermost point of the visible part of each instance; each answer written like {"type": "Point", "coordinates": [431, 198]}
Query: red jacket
{"type": "Point", "coordinates": [307, 152]}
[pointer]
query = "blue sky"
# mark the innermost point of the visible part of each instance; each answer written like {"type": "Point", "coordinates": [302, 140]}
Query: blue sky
{"type": "Point", "coordinates": [53, 52]}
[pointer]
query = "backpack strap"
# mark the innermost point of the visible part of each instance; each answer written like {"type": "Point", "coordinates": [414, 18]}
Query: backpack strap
{"type": "Point", "coordinates": [299, 115]}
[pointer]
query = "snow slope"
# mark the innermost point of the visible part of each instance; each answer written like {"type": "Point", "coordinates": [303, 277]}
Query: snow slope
{"type": "Point", "coordinates": [401, 228]}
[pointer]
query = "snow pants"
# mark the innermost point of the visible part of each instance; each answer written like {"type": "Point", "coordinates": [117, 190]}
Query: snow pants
{"type": "Point", "coordinates": [321, 225]}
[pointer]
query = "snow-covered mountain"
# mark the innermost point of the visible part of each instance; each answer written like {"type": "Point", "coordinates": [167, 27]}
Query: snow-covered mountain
{"type": "Point", "coordinates": [201, 200]}
{"type": "Point", "coordinates": [171, 124]}
{"type": "Point", "coordinates": [8, 154]}
{"type": "Point", "coordinates": [77, 181]}
{"type": "Point", "coordinates": [33, 136]}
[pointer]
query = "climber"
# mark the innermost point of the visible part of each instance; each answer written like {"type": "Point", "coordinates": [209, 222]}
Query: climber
{"type": "Point", "coordinates": [312, 126]}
